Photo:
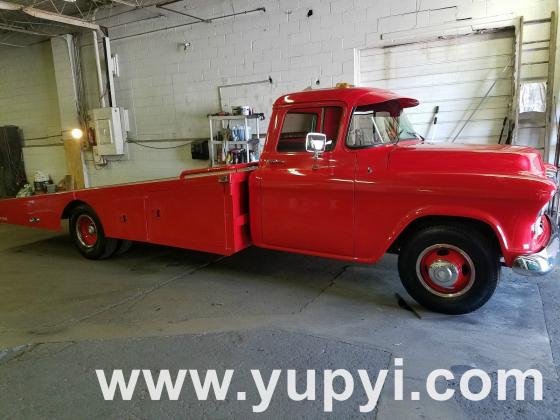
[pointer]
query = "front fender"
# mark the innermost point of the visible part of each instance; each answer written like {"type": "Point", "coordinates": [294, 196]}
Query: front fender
{"type": "Point", "coordinates": [458, 212]}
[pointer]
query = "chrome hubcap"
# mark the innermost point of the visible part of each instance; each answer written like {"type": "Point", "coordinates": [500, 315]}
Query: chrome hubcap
{"type": "Point", "coordinates": [444, 273]}
{"type": "Point", "coordinates": [86, 231]}
{"type": "Point", "coordinates": [445, 270]}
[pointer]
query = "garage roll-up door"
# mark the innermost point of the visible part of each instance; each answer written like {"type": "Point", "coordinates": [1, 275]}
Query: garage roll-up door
{"type": "Point", "coordinates": [453, 74]}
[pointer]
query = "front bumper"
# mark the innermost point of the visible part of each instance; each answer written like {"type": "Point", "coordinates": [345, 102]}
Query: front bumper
{"type": "Point", "coordinates": [542, 262]}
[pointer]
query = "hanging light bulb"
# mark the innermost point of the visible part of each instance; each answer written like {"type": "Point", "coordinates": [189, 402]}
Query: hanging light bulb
{"type": "Point", "coordinates": [76, 133]}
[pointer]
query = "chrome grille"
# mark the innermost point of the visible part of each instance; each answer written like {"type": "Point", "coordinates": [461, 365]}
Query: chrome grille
{"type": "Point", "coordinates": [555, 209]}
{"type": "Point", "coordinates": [554, 206]}
{"type": "Point", "coordinates": [553, 174]}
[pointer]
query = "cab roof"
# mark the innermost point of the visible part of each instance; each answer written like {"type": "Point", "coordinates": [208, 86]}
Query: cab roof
{"type": "Point", "coordinates": [352, 96]}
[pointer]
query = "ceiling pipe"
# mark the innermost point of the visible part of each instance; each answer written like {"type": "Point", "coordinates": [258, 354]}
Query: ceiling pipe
{"type": "Point", "coordinates": [135, 21]}
{"type": "Point", "coordinates": [245, 12]}
{"type": "Point", "coordinates": [184, 14]}
{"type": "Point", "coordinates": [98, 70]}
{"type": "Point", "coordinates": [162, 6]}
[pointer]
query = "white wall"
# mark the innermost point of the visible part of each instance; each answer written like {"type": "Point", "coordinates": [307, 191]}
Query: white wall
{"type": "Point", "coordinates": [28, 99]}
{"type": "Point", "coordinates": [169, 91]}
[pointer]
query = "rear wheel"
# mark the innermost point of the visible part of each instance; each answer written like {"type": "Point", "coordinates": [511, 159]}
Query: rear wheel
{"type": "Point", "coordinates": [450, 269]}
{"type": "Point", "coordinates": [88, 235]}
{"type": "Point", "coordinates": [123, 247]}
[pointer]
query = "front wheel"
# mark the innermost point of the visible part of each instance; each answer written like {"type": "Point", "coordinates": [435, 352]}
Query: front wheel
{"type": "Point", "coordinates": [450, 269]}
{"type": "Point", "coordinates": [88, 235]}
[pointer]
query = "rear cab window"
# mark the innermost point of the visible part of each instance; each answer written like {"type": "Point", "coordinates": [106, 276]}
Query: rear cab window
{"type": "Point", "coordinates": [296, 126]}
{"type": "Point", "coordinates": [298, 123]}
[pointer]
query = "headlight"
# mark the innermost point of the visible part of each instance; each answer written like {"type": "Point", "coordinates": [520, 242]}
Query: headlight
{"type": "Point", "coordinates": [553, 174]}
{"type": "Point", "coordinates": [538, 227]}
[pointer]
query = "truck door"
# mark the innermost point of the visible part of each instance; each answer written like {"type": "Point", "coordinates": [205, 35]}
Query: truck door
{"type": "Point", "coordinates": [307, 203]}
{"type": "Point", "coordinates": [372, 134]}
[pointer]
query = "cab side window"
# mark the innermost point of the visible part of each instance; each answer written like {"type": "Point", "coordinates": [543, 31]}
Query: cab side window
{"type": "Point", "coordinates": [298, 123]}
{"type": "Point", "coordinates": [295, 128]}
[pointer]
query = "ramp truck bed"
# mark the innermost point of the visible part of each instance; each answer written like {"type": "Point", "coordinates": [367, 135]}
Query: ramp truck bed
{"type": "Point", "coordinates": [203, 210]}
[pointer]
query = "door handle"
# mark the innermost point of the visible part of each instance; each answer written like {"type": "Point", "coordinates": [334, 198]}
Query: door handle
{"type": "Point", "coordinates": [369, 170]}
{"type": "Point", "coordinates": [275, 161]}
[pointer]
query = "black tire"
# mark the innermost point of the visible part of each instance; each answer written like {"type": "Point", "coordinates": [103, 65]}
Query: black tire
{"type": "Point", "coordinates": [462, 283]}
{"type": "Point", "coordinates": [123, 247]}
{"type": "Point", "coordinates": [93, 245]}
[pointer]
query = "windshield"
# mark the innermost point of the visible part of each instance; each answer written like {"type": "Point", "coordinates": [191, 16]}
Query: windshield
{"type": "Point", "coordinates": [379, 124]}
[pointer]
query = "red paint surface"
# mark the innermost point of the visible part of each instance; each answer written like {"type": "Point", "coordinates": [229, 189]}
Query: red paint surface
{"type": "Point", "coordinates": [450, 256]}
{"type": "Point", "coordinates": [349, 203]}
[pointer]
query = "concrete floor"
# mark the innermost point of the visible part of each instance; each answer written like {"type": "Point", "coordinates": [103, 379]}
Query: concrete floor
{"type": "Point", "coordinates": [62, 317]}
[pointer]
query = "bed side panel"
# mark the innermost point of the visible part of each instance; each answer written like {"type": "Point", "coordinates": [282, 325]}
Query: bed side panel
{"type": "Point", "coordinates": [39, 211]}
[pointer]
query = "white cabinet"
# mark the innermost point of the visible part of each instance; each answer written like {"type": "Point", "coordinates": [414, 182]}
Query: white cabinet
{"type": "Point", "coordinates": [110, 126]}
{"type": "Point", "coordinates": [234, 139]}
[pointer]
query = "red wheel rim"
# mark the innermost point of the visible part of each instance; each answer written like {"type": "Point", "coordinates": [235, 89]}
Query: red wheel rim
{"type": "Point", "coordinates": [445, 270]}
{"type": "Point", "coordinates": [86, 230]}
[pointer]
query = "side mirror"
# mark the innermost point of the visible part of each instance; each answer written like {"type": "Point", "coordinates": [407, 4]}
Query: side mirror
{"type": "Point", "coordinates": [315, 143]}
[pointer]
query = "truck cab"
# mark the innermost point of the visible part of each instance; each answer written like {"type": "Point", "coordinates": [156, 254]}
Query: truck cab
{"type": "Point", "coordinates": [327, 200]}
{"type": "Point", "coordinates": [454, 213]}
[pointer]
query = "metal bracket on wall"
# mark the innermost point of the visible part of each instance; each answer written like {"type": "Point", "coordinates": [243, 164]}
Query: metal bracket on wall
{"type": "Point", "coordinates": [257, 82]}
{"type": "Point", "coordinates": [181, 25]}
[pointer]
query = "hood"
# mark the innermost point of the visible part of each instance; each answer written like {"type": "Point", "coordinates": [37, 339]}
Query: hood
{"type": "Point", "coordinates": [466, 158]}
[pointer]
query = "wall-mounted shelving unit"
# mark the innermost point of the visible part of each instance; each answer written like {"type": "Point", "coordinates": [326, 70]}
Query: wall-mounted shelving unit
{"type": "Point", "coordinates": [234, 139]}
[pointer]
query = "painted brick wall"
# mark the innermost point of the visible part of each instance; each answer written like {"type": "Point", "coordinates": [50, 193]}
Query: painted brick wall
{"type": "Point", "coordinates": [28, 99]}
{"type": "Point", "coordinates": [169, 91]}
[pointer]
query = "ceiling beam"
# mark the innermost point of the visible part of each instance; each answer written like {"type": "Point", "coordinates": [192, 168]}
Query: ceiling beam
{"type": "Point", "coordinates": [127, 3]}
{"type": "Point", "coordinates": [6, 5]}
{"type": "Point", "coordinates": [21, 30]}
{"type": "Point", "coordinates": [53, 17]}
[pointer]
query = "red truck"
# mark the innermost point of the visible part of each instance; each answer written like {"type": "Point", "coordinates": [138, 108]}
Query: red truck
{"type": "Point", "coordinates": [343, 175]}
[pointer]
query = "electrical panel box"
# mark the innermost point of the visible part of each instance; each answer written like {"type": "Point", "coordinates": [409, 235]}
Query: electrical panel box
{"type": "Point", "coordinates": [110, 126]}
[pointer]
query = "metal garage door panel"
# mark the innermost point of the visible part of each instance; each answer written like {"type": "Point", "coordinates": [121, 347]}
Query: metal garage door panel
{"type": "Point", "coordinates": [450, 77]}
{"type": "Point", "coordinates": [452, 74]}
{"type": "Point", "coordinates": [496, 102]}
{"type": "Point", "coordinates": [480, 64]}
{"type": "Point", "coordinates": [450, 117]}
{"type": "Point", "coordinates": [445, 92]}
